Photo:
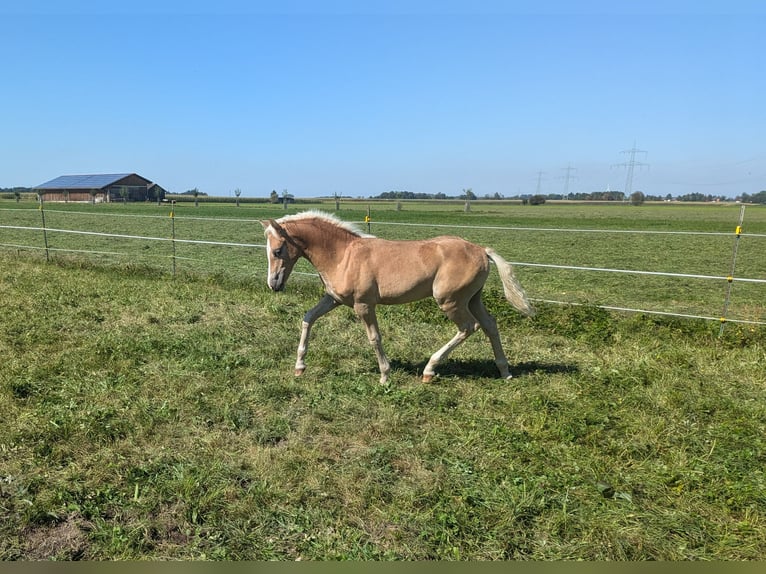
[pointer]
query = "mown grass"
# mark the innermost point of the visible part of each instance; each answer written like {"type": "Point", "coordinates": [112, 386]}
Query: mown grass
{"type": "Point", "coordinates": [146, 417]}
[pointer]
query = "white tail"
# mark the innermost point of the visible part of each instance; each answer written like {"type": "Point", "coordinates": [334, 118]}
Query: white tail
{"type": "Point", "coordinates": [513, 290]}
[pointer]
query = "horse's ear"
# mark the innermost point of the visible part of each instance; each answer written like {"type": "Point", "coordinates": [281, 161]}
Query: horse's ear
{"type": "Point", "coordinates": [278, 228]}
{"type": "Point", "coordinates": [271, 223]}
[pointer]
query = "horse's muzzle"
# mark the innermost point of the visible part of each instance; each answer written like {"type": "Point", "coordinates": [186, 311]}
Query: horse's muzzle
{"type": "Point", "coordinates": [277, 281]}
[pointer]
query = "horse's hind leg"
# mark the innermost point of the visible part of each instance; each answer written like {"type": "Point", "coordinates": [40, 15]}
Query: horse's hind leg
{"type": "Point", "coordinates": [489, 326]}
{"type": "Point", "coordinates": [466, 324]}
{"type": "Point", "coordinates": [325, 305]}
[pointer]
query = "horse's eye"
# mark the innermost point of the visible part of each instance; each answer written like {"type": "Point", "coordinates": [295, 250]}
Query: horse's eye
{"type": "Point", "coordinates": [278, 251]}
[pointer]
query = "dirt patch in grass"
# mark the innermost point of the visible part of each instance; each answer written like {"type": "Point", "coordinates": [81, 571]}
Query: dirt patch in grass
{"type": "Point", "coordinates": [65, 540]}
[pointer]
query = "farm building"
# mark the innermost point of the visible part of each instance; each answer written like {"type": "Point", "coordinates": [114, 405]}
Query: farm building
{"type": "Point", "coordinates": [100, 188]}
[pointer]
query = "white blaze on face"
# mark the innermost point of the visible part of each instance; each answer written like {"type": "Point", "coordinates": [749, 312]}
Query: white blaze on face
{"type": "Point", "coordinates": [269, 255]}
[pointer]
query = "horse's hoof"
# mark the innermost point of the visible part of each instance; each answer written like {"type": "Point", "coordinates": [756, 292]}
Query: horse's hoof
{"type": "Point", "coordinates": [299, 372]}
{"type": "Point", "coordinates": [427, 378]}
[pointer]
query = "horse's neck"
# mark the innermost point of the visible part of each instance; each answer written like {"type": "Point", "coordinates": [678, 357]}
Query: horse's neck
{"type": "Point", "coordinates": [323, 245]}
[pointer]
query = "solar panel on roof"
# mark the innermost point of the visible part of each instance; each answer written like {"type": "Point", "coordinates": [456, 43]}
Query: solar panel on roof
{"type": "Point", "coordinates": [95, 181]}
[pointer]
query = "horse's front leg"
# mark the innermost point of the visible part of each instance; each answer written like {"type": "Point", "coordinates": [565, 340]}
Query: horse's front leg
{"type": "Point", "coordinates": [325, 305]}
{"type": "Point", "coordinates": [367, 314]}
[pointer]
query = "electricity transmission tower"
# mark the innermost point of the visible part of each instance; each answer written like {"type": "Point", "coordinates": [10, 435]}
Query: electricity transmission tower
{"type": "Point", "coordinates": [539, 179]}
{"type": "Point", "coordinates": [631, 164]}
{"type": "Point", "coordinates": [567, 177]}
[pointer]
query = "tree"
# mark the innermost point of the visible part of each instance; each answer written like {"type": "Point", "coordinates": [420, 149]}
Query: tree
{"type": "Point", "coordinates": [637, 198]}
{"type": "Point", "coordinates": [759, 197]}
{"type": "Point", "coordinates": [237, 192]}
{"type": "Point", "coordinates": [537, 200]}
{"type": "Point", "coordinates": [468, 195]}
{"type": "Point", "coordinates": [273, 196]}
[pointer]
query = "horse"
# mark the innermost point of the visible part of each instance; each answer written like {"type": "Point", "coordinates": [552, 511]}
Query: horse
{"type": "Point", "coordinates": [362, 271]}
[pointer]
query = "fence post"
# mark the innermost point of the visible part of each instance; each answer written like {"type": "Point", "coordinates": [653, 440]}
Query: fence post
{"type": "Point", "coordinates": [45, 231]}
{"type": "Point", "coordinates": [730, 277]}
{"type": "Point", "coordinates": [173, 233]}
{"type": "Point", "coordinates": [368, 221]}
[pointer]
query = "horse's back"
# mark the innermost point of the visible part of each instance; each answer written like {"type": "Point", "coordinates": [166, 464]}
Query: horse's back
{"type": "Point", "coordinates": [402, 271]}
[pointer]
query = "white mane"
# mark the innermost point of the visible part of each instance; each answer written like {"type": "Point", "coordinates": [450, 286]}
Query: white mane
{"type": "Point", "coordinates": [327, 217]}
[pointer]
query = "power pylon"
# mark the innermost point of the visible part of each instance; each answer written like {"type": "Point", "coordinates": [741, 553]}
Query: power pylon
{"type": "Point", "coordinates": [566, 177]}
{"type": "Point", "coordinates": [631, 164]}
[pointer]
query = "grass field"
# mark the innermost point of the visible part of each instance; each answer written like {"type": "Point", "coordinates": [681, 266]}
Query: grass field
{"type": "Point", "coordinates": [594, 236]}
{"type": "Point", "coordinates": [152, 417]}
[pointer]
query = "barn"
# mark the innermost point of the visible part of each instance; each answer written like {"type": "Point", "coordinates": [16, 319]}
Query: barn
{"type": "Point", "coordinates": [100, 188]}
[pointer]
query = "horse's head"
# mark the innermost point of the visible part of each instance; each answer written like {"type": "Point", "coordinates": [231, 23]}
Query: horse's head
{"type": "Point", "coordinates": [282, 253]}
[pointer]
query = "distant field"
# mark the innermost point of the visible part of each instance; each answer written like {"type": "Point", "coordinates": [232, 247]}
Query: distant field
{"type": "Point", "coordinates": [580, 235]}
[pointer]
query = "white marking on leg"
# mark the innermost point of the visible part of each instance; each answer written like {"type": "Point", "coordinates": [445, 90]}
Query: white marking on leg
{"type": "Point", "coordinates": [325, 305]}
{"type": "Point", "coordinates": [442, 353]}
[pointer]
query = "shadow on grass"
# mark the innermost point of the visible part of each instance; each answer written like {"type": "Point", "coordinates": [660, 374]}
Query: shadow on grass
{"type": "Point", "coordinates": [521, 369]}
{"type": "Point", "coordinates": [477, 368]}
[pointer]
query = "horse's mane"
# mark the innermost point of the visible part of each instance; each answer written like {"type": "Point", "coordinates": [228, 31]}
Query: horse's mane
{"type": "Point", "coordinates": [325, 217]}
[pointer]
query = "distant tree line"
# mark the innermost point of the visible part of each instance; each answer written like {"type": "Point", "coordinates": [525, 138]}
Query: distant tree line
{"type": "Point", "coordinates": [467, 194]}
{"type": "Point", "coordinates": [636, 198]}
{"type": "Point", "coordinates": [702, 197]}
{"type": "Point", "coordinates": [13, 190]}
{"type": "Point", "coordinates": [193, 192]}
{"type": "Point", "coordinates": [411, 195]}
{"type": "Point", "coordinates": [759, 197]}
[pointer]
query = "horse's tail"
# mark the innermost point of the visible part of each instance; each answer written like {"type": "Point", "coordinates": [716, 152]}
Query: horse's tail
{"type": "Point", "coordinates": [513, 291]}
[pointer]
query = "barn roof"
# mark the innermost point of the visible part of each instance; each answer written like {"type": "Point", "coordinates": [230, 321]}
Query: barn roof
{"type": "Point", "coordinates": [94, 181]}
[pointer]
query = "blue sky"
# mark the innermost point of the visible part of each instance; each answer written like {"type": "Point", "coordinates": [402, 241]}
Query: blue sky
{"type": "Point", "coordinates": [359, 98]}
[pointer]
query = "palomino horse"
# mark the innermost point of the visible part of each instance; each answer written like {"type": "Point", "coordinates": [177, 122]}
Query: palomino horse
{"type": "Point", "coordinates": [362, 271]}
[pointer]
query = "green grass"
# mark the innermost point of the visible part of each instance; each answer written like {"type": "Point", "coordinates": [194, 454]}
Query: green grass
{"type": "Point", "coordinates": [147, 417]}
{"type": "Point", "coordinates": [564, 236]}
{"type": "Point", "coordinates": [155, 418]}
